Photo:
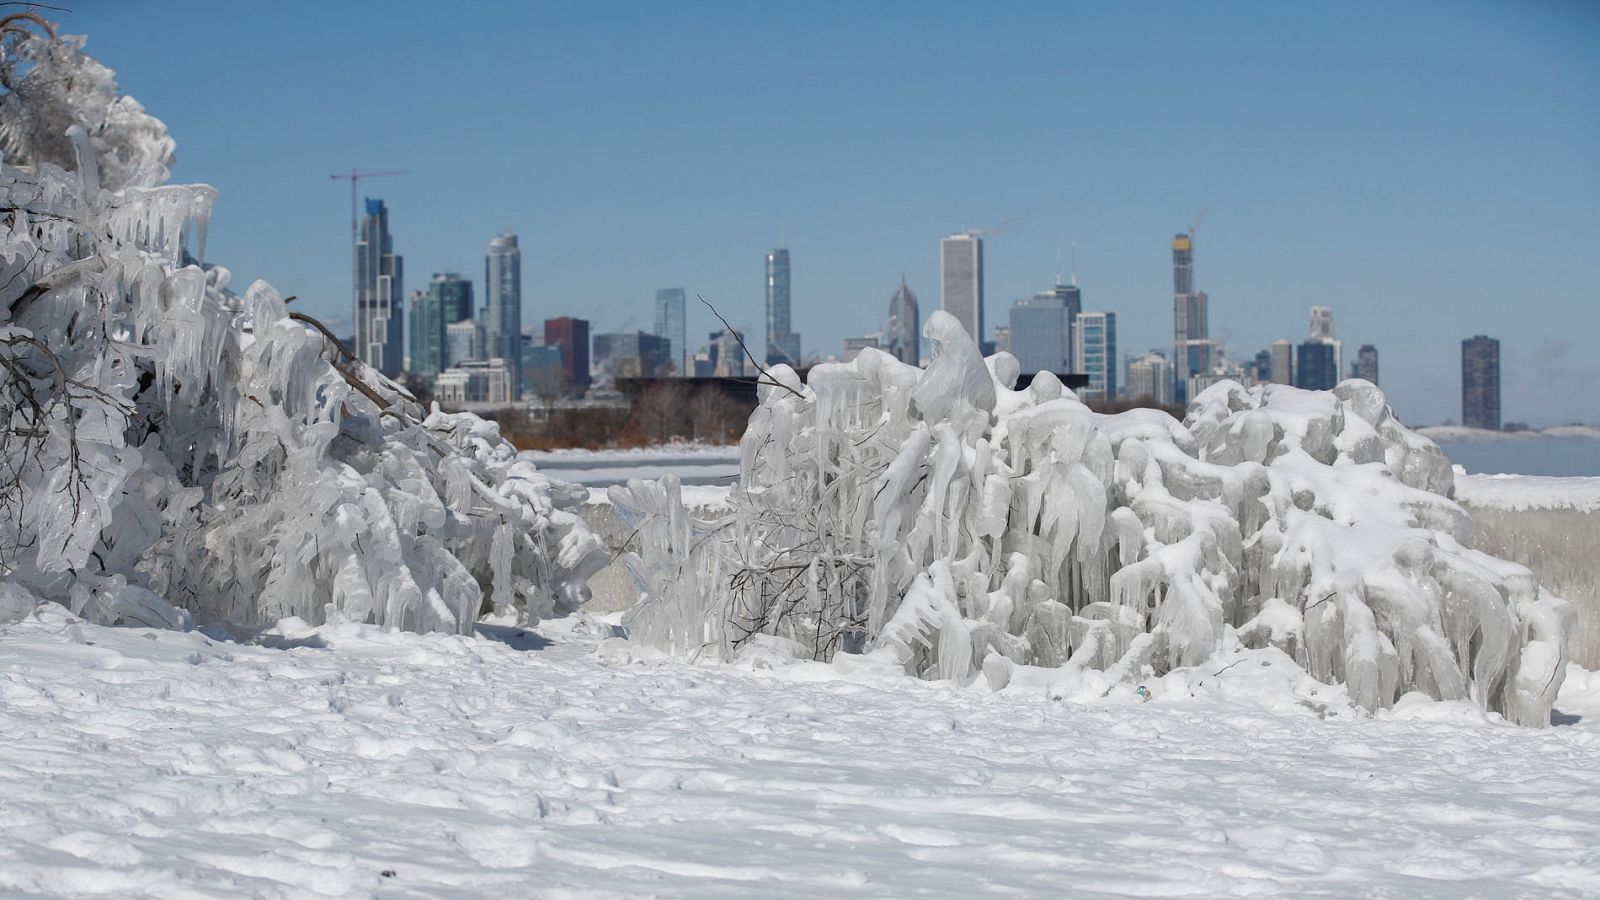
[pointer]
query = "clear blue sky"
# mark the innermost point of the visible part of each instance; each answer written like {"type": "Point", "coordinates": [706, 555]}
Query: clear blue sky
{"type": "Point", "coordinates": [1429, 170]}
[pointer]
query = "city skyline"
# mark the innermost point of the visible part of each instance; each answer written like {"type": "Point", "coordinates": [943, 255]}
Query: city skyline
{"type": "Point", "coordinates": [1422, 225]}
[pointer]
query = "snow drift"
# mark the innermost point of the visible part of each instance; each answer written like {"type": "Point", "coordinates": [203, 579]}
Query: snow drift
{"type": "Point", "coordinates": [941, 519]}
{"type": "Point", "coordinates": [174, 449]}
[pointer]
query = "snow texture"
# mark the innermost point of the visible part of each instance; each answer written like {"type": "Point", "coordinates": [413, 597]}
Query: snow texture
{"type": "Point", "coordinates": [174, 451]}
{"type": "Point", "coordinates": [516, 763]}
{"type": "Point", "coordinates": [957, 528]}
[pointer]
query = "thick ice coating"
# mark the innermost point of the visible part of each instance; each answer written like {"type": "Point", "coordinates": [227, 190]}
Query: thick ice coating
{"type": "Point", "coordinates": [940, 517]}
{"type": "Point", "coordinates": [175, 450]}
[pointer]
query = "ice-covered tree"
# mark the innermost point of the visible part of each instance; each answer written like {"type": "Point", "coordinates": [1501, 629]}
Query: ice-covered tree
{"type": "Point", "coordinates": [172, 449]}
{"type": "Point", "coordinates": [955, 525]}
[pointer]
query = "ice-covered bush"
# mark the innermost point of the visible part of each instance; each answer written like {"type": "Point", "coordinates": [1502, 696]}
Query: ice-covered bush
{"type": "Point", "coordinates": [942, 518]}
{"type": "Point", "coordinates": [173, 449]}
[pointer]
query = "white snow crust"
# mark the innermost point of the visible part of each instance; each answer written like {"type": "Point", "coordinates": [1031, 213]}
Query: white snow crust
{"type": "Point", "coordinates": [1528, 492]}
{"type": "Point", "coordinates": [143, 762]}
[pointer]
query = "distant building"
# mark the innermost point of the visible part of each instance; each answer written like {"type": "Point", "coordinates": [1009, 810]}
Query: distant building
{"type": "Point", "coordinates": [447, 300]}
{"type": "Point", "coordinates": [727, 356]}
{"type": "Point", "coordinates": [571, 336]}
{"type": "Point", "coordinates": [854, 346]}
{"type": "Point", "coordinates": [1321, 323]}
{"type": "Point", "coordinates": [379, 299]}
{"type": "Point", "coordinates": [1317, 368]}
{"type": "Point", "coordinates": [1150, 376]}
{"type": "Point", "coordinates": [905, 326]}
{"type": "Point", "coordinates": [1261, 366]}
{"type": "Point", "coordinates": [475, 381]}
{"type": "Point", "coordinates": [502, 312]}
{"type": "Point", "coordinates": [1039, 333]}
{"type": "Point", "coordinates": [1480, 382]}
{"type": "Point", "coordinates": [1365, 364]}
{"type": "Point", "coordinates": [542, 375]}
{"type": "Point", "coordinates": [671, 324]}
{"type": "Point", "coordinates": [783, 345]}
{"type": "Point", "coordinates": [1002, 340]}
{"type": "Point", "coordinates": [631, 354]}
{"type": "Point", "coordinates": [463, 341]}
{"type": "Point", "coordinates": [1282, 371]}
{"type": "Point", "coordinates": [1097, 348]}
{"type": "Point", "coordinates": [961, 281]}
{"type": "Point", "coordinates": [1193, 352]}
{"type": "Point", "coordinates": [1071, 298]}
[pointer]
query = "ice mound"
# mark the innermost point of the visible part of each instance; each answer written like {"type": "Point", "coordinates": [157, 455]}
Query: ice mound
{"type": "Point", "coordinates": [938, 517]}
{"type": "Point", "coordinates": [176, 451]}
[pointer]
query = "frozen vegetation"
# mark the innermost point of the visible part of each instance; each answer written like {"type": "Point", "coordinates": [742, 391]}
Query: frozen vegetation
{"type": "Point", "coordinates": [957, 529]}
{"type": "Point", "coordinates": [1552, 526]}
{"type": "Point", "coordinates": [173, 450]}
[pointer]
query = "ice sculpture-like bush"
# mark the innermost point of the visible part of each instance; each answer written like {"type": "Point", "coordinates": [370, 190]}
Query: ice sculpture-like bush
{"type": "Point", "coordinates": [941, 517]}
{"type": "Point", "coordinates": [172, 449]}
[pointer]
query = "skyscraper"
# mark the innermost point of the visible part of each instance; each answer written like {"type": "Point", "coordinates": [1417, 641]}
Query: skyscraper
{"type": "Point", "coordinates": [447, 301]}
{"type": "Point", "coordinates": [783, 345]}
{"type": "Point", "coordinates": [1320, 331]}
{"type": "Point", "coordinates": [1366, 364]}
{"type": "Point", "coordinates": [572, 336]}
{"type": "Point", "coordinates": [1097, 350]}
{"type": "Point", "coordinates": [961, 282]}
{"type": "Point", "coordinates": [1282, 362]}
{"type": "Point", "coordinates": [1480, 382]}
{"type": "Point", "coordinates": [1193, 349]}
{"type": "Point", "coordinates": [379, 300]}
{"type": "Point", "coordinates": [670, 324]}
{"type": "Point", "coordinates": [502, 312]}
{"type": "Point", "coordinates": [1317, 368]}
{"type": "Point", "coordinates": [1072, 299]}
{"type": "Point", "coordinates": [905, 326]}
{"type": "Point", "coordinates": [1039, 333]}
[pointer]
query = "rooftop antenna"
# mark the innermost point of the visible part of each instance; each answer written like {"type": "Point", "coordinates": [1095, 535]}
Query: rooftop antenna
{"type": "Point", "coordinates": [1058, 267]}
{"type": "Point", "coordinates": [1074, 263]}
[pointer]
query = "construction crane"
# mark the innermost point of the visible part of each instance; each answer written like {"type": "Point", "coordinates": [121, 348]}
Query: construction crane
{"type": "Point", "coordinates": [353, 177]}
{"type": "Point", "coordinates": [1195, 225]}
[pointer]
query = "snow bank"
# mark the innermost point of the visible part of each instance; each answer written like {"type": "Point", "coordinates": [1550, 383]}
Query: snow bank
{"type": "Point", "coordinates": [175, 450]}
{"type": "Point", "coordinates": [940, 520]}
{"type": "Point", "coordinates": [1552, 526]}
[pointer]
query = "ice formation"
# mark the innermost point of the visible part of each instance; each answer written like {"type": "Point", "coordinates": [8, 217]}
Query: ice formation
{"type": "Point", "coordinates": [941, 519]}
{"type": "Point", "coordinates": [174, 450]}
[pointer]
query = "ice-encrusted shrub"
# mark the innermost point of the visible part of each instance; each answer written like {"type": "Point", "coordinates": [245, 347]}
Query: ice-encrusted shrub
{"type": "Point", "coordinates": [173, 449]}
{"type": "Point", "coordinates": [941, 517]}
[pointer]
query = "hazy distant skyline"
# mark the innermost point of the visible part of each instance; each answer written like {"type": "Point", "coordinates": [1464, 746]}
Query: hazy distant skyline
{"type": "Point", "coordinates": [1430, 171]}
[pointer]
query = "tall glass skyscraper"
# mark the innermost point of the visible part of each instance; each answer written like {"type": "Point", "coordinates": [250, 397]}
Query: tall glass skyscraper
{"type": "Point", "coordinates": [1097, 354]}
{"type": "Point", "coordinates": [905, 326]}
{"type": "Point", "coordinates": [1480, 382]}
{"type": "Point", "coordinates": [379, 299]}
{"type": "Point", "coordinates": [670, 325]}
{"type": "Point", "coordinates": [961, 282]}
{"type": "Point", "coordinates": [502, 297]}
{"type": "Point", "coordinates": [783, 345]}
{"type": "Point", "coordinates": [447, 300]}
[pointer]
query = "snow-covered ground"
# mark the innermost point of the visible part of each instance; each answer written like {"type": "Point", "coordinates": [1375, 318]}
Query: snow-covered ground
{"type": "Point", "coordinates": [350, 761]}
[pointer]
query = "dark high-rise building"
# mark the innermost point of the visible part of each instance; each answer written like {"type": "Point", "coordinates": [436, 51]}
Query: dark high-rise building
{"type": "Point", "coordinates": [905, 326]}
{"type": "Point", "coordinates": [783, 345]}
{"type": "Point", "coordinates": [1365, 364]}
{"type": "Point", "coordinates": [1317, 366]}
{"type": "Point", "coordinates": [379, 300]}
{"type": "Point", "coordinates": [448, 300]}
{"type": "Point", "coordinates": [670, 324]}
{"type": "Point", "coordinates": [572, 336]}
{"type": "Point", "coordinates": [1480, 383]}
{"type": "Point", "coordinates": [502, 311]}
{"type": "Point", "coordinates": [1262, 367]}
